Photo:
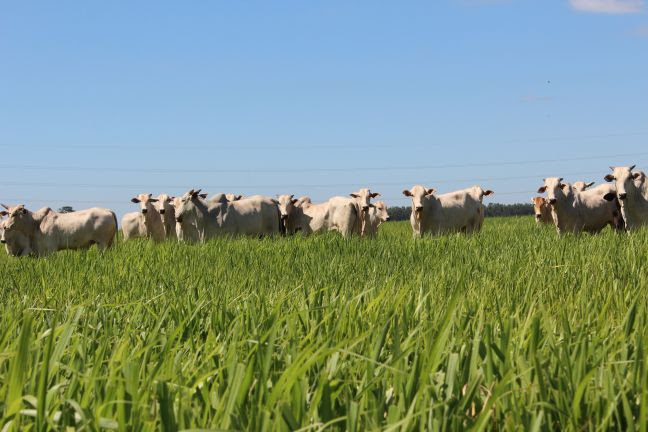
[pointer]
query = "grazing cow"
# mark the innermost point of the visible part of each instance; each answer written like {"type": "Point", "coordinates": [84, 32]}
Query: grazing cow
{"type": "Point", "coordinates": [16, 243]}
{"type": "Point", "coordinates": [167, 212]}
{"type": "Point", "coordinates": [574, 211]}
{"type": "Point", "coordinates": [362, 200]}
{"type": "Point", "coordinates": [580, 186]}
{"type": "Point", "coordinates": [459, 211]}
{"type": "Point", "coordinates": [337, 214]}
{"type": "Point", "coordinates": [542, 210]}
{"type": "Point", "coordinates": [201, 220]}
{"type": "Point", "coordinates": [632, 193]}
{"type": "Point", "coordinates": [377, 215]}
{"type": "Point", "coordinates": [145, 223]}
{"type": "Point", "coordinates": [49, 231]}
{"type": "Point", "coordinates": [233, 197]}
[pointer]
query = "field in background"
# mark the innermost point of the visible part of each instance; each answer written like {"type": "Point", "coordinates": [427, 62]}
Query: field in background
{"type": "Point", "coordinates": [513, 327]}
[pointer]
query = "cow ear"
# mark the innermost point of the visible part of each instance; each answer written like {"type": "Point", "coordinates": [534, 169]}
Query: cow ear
{"type": "Point", "coordinates": [609, 196]}
{"type": "Point", "coordinates": [354, 195]}
{"type": "Point", "coordinates": [542, 189]}
{"type": "Point", "coordinates": [488, 192]}
{"type": "Point", "coordinates": [374, 195]}
{"type": "Point", "coordinates": [371, 205]}
{"type": "Point", "coordinates": [203, 196]}
{"type": "Point", "coordinates": [238, 197]}
{"type": "Point", "coordinates": [5, 206]}
{"type": "Point", "coordinates": [608, 178]}
{"type": "Point", "coordinates": [430, 191]}
{"type": "Point", "coordinates": [636, 175]}
{"type": "Point", "coordinates": [407, 193]}
{"type": "Point", "coordinates": [153, 199]}
{"type": "Point", "coordinates": [135, 200]}
{"type": "Point", "coordinates": [170, 199]}
{"type": "Point", "coordinates": [589, 184]}
{"type": "Point", "coordinates": [3, 213]}
{"type": "Point", "coordinates": [294, 200]}
{"type": "Point", "coordinates": [562, 186]}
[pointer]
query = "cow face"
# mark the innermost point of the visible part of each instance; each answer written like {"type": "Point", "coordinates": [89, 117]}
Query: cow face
{"type": "Point", "coordinates": [164, 204]}
{"type": "Point", "coordinates": [381, 211]}
{"type": "Point", "coordinates": [17, 216]}
{"type": "Point", "coordinates": [624, 179]}
{"type": "Point", "coordinates": [580, 186]}
{"type": "Point", "coordinates": [363, 198]}
{"type": "Point", "coordinates": [286, 204]}
{"type": "Point", "coordinates": [418, 194]}
{"type": "Point", "coordinates": [555, 189]}
{"type": "Point", "coordinates": [538, 204]}
{"type": "Point", "coordinates": [145, 201]}
{"type": "Point", "coordinates": [185, 207]}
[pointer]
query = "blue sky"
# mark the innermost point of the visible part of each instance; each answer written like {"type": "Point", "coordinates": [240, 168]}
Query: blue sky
{"type": "Point", "coordinates": [100, 101]}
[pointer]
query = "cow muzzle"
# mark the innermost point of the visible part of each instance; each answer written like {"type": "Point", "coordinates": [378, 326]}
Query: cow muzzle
{"type": "Point", "coordinates": [538, 216]}
{"type": "Point", "coordinates": [623, 196]}
{"type": "Point", "coordinates": [162, 211]}
{"type": "Point", "coordinates": [3, 241]}
{"type": "Point", "coordinates": [144, 211]}
{"type": "Point", "coordinates": [365, 208]}
{"type": "Point", "coordinates": [387, 219]}
{"type": "Point", "coordinates": [418, 209]}
{"type": "Point", "coordinates": [284, 217]}
{"type": "Point", "coordinates": [179, 219]}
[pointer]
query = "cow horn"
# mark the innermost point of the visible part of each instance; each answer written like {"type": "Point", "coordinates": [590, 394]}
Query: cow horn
{"type": "Point", "coordinates": [5, 206]}
{"type": "Point", "coordinates": [632, 167]}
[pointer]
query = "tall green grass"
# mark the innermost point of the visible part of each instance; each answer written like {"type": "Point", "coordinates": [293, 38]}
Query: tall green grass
{"type": "Point", "coordinates": [513, 328]}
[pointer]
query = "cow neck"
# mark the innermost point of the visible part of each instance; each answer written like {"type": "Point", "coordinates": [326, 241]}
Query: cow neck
{"type": "Point", "coordinates": [201, 206]}
{"type": "Point", "coordinates": [563, 201]}
{"type": "Point", "coordinates": [636, 198]}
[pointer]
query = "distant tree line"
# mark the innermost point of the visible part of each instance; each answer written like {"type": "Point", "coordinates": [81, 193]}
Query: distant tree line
{"type": "Point", "coordinates": [492, 209]}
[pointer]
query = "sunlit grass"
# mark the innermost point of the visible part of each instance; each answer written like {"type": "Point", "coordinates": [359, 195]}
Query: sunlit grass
{"type": "Point", "coordinates": [512, 328]}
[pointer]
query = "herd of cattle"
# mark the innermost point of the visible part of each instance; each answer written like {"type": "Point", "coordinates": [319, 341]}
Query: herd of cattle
{"type": "Point", "coordinates": [196, 218]}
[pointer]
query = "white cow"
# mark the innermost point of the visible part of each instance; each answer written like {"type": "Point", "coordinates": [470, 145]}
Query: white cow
{"type": "Point", "coordinates": [632, 193]}
{"type": "Point", "coordinates": [49, 231]}
{"type": "Point", "coordinates": [233, 197]}
{"type": "Point", "coordinates": [459, 211]}
{"type": "Point", "coordinates": [377, 215]}
{"type": "Point", "coordinates": [574, 211]}
{"type": "Point", "coordinates": [201, 220]}
{"type": "Point", "coordinates": [362, 200]}
{"type": "Point", "coordinates": [145, 223]}
{"type": "Point", "coordinates": [164, 206]}
{"type": "Point", "coordinates": [337, 214]}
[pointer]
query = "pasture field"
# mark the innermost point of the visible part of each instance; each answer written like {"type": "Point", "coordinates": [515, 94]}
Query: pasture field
{"type": "Point", "coordinates": [513, 328]}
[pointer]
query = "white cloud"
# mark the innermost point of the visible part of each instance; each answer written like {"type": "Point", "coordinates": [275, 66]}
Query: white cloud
{"type": "Point", "coordinates": [608, 6]}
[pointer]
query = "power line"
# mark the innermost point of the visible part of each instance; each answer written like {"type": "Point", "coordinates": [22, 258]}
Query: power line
{"type": "Point", "coordinates": [292, 185]}
{"type": "Point", "coordinates": [311, 170]}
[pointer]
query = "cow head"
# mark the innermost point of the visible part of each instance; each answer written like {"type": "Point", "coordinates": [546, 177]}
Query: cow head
{"type": "Point", "coordinates": [185, 207]}
{"type": "Point", "coordinates": [538, 204]}
{"type": "Point", "coordinates": [233, 197]}
{"type": "Point", "coordinates": [419, 195]}
{"type": "Point", "coordinates": [555, 189]}
{"type": "Point", "coordinates": [17, 216]}
{"type": "Point", "coordinates": [624, 179]}
{"type": "Point", "coordinates": [146, 202]}
{"type": "Point", "coordinates": [363, 198]}
{"type": "Point", "coordinates": [381, 211]}
{"type": "Point", "coordinates": [580, 186]}
{"type": "Point", "coordinates": [286, 204]}
{"type": "Point", "coordinates": [164, 205]}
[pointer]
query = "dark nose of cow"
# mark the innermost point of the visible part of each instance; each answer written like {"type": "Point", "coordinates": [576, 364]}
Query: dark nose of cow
{"type": "Point", "coordinates": [388, 218]}
{"type": "Point", "coordinates": [419, 208]}
{"type": "Point", "coordinates": [3, 241]}
{"type": "Point", "coordinates": [552, 201]}
{"type": "Point", "coordinates": [538, 216]}
{"type": "Point", "coordinates": [179, 219]}
{"type": "Point", "coordinates": [365, 208]}
{"type": "Point", "coordinates": [162, 211]}
{"type": "Point", "coordinates": [622, 196]}
{"type": "Point", "coordinates": [284, 217]}
{"type": "Point", "coordinates": [144, 211]}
